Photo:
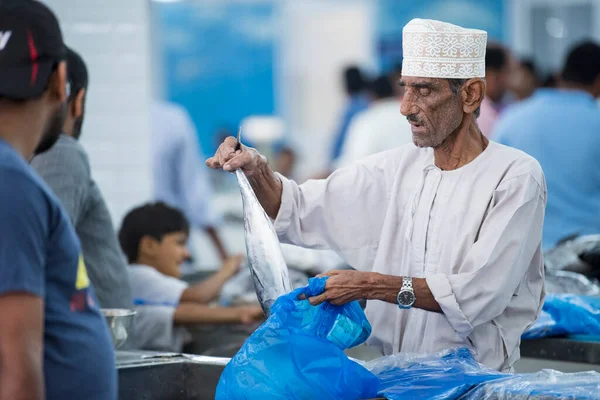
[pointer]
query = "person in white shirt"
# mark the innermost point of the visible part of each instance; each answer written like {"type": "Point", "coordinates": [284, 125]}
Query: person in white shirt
{"type": "Point", "coordinates": [381, 127]}
{"type": "Point", "coordinates": [179, 177]}
{"type": "Point", "coordinates": [445, 234]}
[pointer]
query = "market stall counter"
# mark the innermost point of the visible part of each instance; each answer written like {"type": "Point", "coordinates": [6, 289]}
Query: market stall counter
{"type": "Point", "coordinates": [566, 354]}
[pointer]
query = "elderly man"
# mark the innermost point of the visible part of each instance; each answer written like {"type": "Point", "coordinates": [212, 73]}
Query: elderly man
{"type": "Point", "coordinates": [445, 233]}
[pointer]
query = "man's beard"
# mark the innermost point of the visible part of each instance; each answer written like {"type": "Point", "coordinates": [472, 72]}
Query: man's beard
{"type": "Point", "coordinates": [53, 130]}
{"type": "Point", "coordinates": [435, 137]}
{"type": "Point", "coordinates": [77, 124]}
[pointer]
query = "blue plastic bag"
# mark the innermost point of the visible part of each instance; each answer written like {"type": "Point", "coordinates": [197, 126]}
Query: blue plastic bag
{"type": "Point", "coordinates": [546, 384]}
{"type": "Point", "coordinates": [567, 314]}
{"type": "Point", "coordinates": [298, 353]}
{"type": "Point", "coordinates": [445, 375]}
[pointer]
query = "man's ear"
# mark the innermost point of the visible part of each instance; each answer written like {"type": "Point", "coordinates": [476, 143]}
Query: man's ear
{"type": "Point", "coordinates": [57, 86]}
{"type": "Point", "coordinates": [472, 94]}
{"type": "Point", "coordinates": [78, 103]}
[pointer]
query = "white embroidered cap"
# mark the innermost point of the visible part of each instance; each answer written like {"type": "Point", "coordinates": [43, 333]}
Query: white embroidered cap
{"type": "Point", "coordinates": [436, 49]}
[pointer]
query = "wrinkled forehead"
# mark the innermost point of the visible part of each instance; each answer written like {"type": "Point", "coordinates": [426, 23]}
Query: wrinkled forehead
{"type": "Point", "coordinates": [418, 82]}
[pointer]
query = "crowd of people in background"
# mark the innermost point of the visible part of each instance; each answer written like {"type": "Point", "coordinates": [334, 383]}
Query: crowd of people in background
{"type": "Point", "coordinates": [555, 118]}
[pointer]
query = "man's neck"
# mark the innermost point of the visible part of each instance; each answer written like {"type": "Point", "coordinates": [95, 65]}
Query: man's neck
{"type": "Point", "coordinates": [68, 126]}
{"type": "Point", "coordinates": [461, 147]}
{"type": "Point", "coordinates": [20, 129]}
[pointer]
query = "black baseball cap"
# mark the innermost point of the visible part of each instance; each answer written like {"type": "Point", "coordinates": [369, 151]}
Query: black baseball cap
{"type": "Point", "coordinates": [31, 46]}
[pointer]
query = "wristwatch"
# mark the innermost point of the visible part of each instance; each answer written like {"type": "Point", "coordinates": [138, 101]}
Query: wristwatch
{"type": "Point", "coordinates": [406, 296]}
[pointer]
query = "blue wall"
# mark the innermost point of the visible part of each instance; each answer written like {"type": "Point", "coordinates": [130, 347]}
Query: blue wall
{"type": "Point", "coordinates": [218, 62]}
{"type": "Point", "coordinates": [219, 55]}
{"type": "Point", "coordinates": [392, 15]}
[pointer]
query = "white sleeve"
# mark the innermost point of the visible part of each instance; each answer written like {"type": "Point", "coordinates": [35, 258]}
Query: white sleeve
{"type": "Point", "coordinates": [498, 262]}
{"type": "Point", "coordinates": [150, 287]}
{"type": "Point", "coordinates": [332, 213]}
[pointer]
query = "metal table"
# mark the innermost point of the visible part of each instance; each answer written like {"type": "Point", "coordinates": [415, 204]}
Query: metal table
{"type": "Point", "coordinates": [562, 354]}
{"type": "Point", "coordinates": [145, 375]}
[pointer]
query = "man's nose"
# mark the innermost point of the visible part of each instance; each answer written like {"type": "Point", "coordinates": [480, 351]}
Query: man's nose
{"type": "Point", "coordinates": [407, 107]}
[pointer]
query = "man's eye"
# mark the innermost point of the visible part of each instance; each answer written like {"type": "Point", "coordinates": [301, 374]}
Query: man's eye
{"type": "Point", "coordinates": [424, 91]}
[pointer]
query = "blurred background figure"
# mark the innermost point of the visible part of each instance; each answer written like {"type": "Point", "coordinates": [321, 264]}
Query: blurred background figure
{"type": "Point", "coordinates": [395, 77]}
{"type": "Point", "coordinates": [380, 127]}
{"type": "Point", "coordinates": [355, 85]}
{"type": "Point", "coordinates": [67, 171]}
{"type": "Point", "coordinates": [524, 80]}
{"type": "Point", "coordinates": [550, 81]}
{"type": "Point", "coordinates": [497, 74]}
{"type": "Point", "coordinates": [560, 128]}
{"type": "Point", "coordinates": [180, 178]}
{"type": "Point", "coordinates": [285, 160]}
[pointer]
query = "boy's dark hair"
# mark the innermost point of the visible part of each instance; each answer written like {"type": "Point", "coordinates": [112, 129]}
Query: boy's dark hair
{"type": "Point", "coordinates": [153, 219]}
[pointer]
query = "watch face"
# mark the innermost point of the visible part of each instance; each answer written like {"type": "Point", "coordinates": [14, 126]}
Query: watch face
{"type": "Point", "coordinates": [406, 298]}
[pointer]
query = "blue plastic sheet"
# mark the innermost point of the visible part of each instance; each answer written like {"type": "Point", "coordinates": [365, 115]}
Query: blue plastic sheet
{"type": "Point", "coordinates": [567, 314]}
{"type": "Point", "coordinates": [298, 353]}
{"type": "Point", "coordinates": [546, 384]}
{"type": "Point", "coordinates": [445, 375]}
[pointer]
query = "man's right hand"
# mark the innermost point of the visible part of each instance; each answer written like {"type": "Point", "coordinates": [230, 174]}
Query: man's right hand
{"type": "Point", "coordinates": [266, 185]}
{"type": "Point", "coordinates": [250, 314]}
{"type": "Point", "coordinates": [227, 158]}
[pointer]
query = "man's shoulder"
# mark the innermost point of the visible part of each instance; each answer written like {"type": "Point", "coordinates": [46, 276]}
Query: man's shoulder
{"type": "Point", "coordinates": [23, 189]}
{"type": "Point", "coordinates": [402, 159]}
{"type": "Point", "coordinates": [397, 154]}
{"type": "Point", "coordinates": [514, 116]}
{"type": "Point", "coordinates": [67, 154]}
{"type": "Point", "coordinates": [517, 163]}
{"type": "Point", "coordinates": [19, 179]}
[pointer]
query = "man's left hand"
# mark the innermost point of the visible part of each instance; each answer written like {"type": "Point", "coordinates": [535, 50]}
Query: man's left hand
{"type": "Point", "coordinates": [343, 287]}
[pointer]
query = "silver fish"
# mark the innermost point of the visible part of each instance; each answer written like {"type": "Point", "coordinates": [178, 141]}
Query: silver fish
{"type": "Point", "coordinates": [267, 265]}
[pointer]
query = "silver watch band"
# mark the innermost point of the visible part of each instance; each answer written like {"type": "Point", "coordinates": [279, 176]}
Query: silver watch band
{"type": "Point", "coordinates": [407, 283]}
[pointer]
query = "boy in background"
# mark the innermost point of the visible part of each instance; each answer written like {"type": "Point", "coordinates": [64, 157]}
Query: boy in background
{"type": "Point", "coordinates": [154, 237]}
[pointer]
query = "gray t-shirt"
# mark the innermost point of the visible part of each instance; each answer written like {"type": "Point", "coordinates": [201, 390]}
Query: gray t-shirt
{"type": "Point", "coordinates": [66, 169]}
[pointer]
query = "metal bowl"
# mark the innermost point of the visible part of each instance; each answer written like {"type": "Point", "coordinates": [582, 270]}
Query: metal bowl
{"type": "Point", "coordinates": [119, 321]}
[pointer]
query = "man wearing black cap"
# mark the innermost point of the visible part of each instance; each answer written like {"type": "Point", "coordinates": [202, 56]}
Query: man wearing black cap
{"type": "Point", "coordinates": [54, 342]}
{"type": "Point", "coordinates": [66, 169]}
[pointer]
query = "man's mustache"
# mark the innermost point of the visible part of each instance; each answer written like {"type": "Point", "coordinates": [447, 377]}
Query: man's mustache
{"type": "Point", "coordinates": [413, 118]}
